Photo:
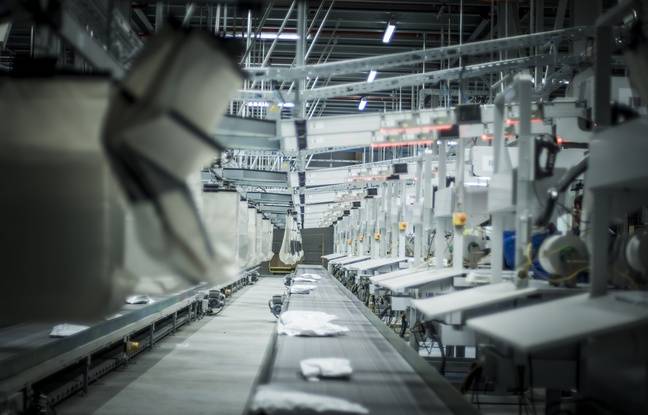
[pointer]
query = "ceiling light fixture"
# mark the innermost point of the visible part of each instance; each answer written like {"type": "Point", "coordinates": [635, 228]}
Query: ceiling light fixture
{"type": "Point", "coordinates": [389, 31]}
{"type": "Point", "coordinates": [372, 76]}
{"type": "Point", "coordinates": [362, 104]}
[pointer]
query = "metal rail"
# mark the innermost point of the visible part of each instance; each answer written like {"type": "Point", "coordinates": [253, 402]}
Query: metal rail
{"type": "Point", "coordinates": [418, 56]}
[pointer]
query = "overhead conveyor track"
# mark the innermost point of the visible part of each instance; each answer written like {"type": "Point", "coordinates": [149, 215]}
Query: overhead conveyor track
{"type": "Point", "coordinates": [418, 56]}
{"type": "Point", "coordinates": [388, 376]}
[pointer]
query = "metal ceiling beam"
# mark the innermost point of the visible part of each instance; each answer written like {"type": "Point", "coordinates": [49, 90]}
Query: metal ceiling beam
{"type": "Point", "coordinates": [272, 209]}
{"type": "Point", "coordinates": [258, 177]}
{"type": "Point", "coordinates": [247, 133]}
{"type": "Point", "coordinates": [86, 46]}
{"type": "Point", "coordinates": [143, 19]}
{"type": "Point", "coordinates": [263, 197]}
{"type": "Point", "coordinates": [257, 32]}
{"type": "Point", "coordinates": [360, 88]}
{"type": "Point", "coordinates": [419, 56]}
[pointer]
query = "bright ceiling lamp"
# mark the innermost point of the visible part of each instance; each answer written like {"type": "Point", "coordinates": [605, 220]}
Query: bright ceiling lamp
{"type": "Point", "coordinates": [389, 31]}
{"type": "Point", "coordinates": [363, 103]}
{"type": "Point", "coordinates": [372, 76]}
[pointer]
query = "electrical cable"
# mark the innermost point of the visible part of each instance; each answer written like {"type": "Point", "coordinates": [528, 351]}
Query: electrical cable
{"type": "Point", "coordinates": [561, 186]}
{"type": "Point", "coordinates": [569, 277]}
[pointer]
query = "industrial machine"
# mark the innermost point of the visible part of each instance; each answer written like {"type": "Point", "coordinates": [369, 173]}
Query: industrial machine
{"type": "Point", "coordinates": [458, 218]}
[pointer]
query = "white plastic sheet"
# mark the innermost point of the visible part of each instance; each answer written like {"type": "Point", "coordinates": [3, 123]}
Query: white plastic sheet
{"type": "Point", "coordinates": [309, 323]}
{"type": "Point", "coordinates": [66, 329]}
{"type": "Point", "coordinates": [325, 367]}
{"type": "Point", "coordinates": [291, 251]}
{"type": "Point", "coordinates": [311, 276]}
{"type": "Point", "coordinates": [284, 253]}
{"type": "Point", "coordinates": [272, 400]}
{"type": "Point", "coordinates": [138, 299]}
{"type": "Point", "coordinates": [302, 288]}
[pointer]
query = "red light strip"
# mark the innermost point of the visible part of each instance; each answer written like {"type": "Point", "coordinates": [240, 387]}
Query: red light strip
{"type": "Point", "coordinates": [402, 143]}
{"type": "Point", "coordinates": [489, 137]}
{"type": "Point", "coordinates": [415, 130]}
{"type": "Point", "coordinates": [515, 121]}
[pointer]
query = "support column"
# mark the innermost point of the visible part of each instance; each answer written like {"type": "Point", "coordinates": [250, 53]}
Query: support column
{"type": "Point", "coordinates": [440, 223]}
{"type": "Point", "coordinates": [418, 215]}
{"type": "Point", "coordinates": [525, 177]}
{"type": "Point", "coordinates": [585, 13]}
{"type": "Point", "coordinates": [458, 237]}
{"type": "Point", "coordinates": [598, 241]}
{"type": "Point", "coordinates": [300, 53]}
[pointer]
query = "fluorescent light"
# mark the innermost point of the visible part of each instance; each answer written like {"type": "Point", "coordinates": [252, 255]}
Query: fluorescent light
{"type": "Point", "coordinates": [256, 104]}
{"type": "Point", "coordinates": [362, 104]}
{"type": "Point", "coordinates": [389, 31]}
{"type": "Point", "coordinates": [268, 36]}
{"type": "Point", "coordinates": [372, 76]}
{"type": "Point", "coordinates": [267, 104]}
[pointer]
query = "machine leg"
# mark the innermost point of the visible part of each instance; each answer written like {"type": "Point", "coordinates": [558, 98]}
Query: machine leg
{"type": "Point", "coordinates": [86, 374]}
{"type": "Point", "coordinates": [151, 332]}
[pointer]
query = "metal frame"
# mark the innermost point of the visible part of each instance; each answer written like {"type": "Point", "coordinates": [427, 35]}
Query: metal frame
{"type": "Point", "coordinates": [418, 56]}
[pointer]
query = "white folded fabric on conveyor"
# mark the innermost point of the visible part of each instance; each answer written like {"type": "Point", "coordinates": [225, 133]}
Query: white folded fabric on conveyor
{"type": "Point", "coordinates": [304, 279]}
{"type": "Point", "coordinates": [302, 288]}
{"type": "Point", "coordinates": [139, 299]}
{"type": "Point", "coordinates": [66, 329]}
{"type": "Point", "coordinates": [311, 276]}
{"type": "Point", "coordinates": [325, 367]}
{"type": "Point", "coordinates": [270, 400]}
{"type": "Point", "coordinates": [308, 323]}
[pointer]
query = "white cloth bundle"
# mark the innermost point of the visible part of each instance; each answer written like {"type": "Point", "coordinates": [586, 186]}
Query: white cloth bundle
{"type": "Point", "coordinates": [312, 276]}
{"type": "Point", "coordinates": [325, 367]}
{"type": "Point", "coordinates": [302, 288]}
{"type": "Point", "coordinates": [308, 323]}
{"type": "Point", "coordinates": [272, 400]}
{"type": "Point", "coordinates": [304, 279]}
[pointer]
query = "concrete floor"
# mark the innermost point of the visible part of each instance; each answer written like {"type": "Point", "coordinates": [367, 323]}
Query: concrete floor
{"type": "Point", "coordinates": [208, 367]}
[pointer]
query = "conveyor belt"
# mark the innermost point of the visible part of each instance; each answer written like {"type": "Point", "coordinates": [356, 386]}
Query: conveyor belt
{"type": "Point", "coordinates": [388, 376]}
{"type": "Point", "coordinates": [28, 354]}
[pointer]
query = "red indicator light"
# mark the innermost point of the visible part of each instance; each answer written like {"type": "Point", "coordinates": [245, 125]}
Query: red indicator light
{"type": "Point", "coordinates": [402, 143]}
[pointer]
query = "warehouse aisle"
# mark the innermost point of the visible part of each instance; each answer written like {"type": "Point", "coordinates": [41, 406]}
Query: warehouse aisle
{"type": "Point", "coordinates": [206, 368]}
